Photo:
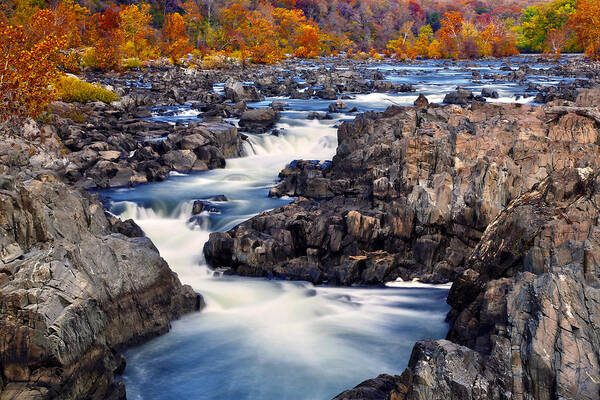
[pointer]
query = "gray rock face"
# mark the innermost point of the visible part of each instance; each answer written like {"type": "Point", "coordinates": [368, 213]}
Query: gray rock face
{"type": "Point", "coordinates": [259, 120]}
{"type": "Point", "coordinates": [526, 312]}
{"type": "Point", "coordinates": [236, 91]}
{"type": "Point", "coordinates": [460, 96]}
{"type": "Point", "coordinates": [408, 194]}
{"type": "Point", "coordinates": [73, 293]}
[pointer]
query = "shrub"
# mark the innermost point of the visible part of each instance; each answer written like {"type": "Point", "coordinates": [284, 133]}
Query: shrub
{"type": "Point", "coordinates": [132, 63]}
{"type": "Point", "coordinates": [71, 89]}
{"type": "Point", "coordinates": [217, 61]}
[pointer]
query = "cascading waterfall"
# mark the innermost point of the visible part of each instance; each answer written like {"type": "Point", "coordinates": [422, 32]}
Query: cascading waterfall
{"type": "Point", "coordinates": [260, 339]}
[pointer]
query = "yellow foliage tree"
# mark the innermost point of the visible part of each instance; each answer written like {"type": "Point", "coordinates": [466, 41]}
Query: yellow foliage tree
{"type": "Point", "coordinates": [137, 34]}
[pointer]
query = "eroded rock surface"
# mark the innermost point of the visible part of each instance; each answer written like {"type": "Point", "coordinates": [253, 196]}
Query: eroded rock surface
{"type": "Point", "coordinates": [525, 318]}
{"type": "Point", "coordinates": [409, 193]}
{"type": "Point", "coordinates": [76, 286]}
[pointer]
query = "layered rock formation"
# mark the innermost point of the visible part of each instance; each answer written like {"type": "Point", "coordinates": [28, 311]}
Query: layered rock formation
{"type": "Point", "coordinates": [409, 193]}
{"type": "Point", "coordinates": [526, 311]}
{"type": "Point", "coordinates": [73, 290]}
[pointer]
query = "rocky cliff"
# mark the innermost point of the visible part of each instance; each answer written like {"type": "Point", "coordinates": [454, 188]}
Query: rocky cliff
{"type": "Point", "coordinates": [73, 291]}
{"type": "Point", "coordinates": [526, 311]}
{"type": "Point", "coordinates": [409, 193]}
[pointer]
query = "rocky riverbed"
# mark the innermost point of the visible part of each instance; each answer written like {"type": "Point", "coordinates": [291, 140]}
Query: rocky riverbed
{"type": "Point", "coordinates": [498, 198]}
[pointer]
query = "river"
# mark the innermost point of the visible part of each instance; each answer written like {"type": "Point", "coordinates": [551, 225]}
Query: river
{"type": "Point", "coordinates": [270, 339]}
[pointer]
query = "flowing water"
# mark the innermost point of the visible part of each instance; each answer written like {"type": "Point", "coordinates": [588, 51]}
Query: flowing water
{"type": "Point", "coordinates": [268, 339]}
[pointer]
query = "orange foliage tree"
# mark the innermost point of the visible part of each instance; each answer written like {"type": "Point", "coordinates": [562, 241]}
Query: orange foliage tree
{"type": "Point", "coordinates": [585, 22]}
{"type": "Point", "coordinates": [450, 33]}
{"type": "Point", "coordinates": [108, 38]}
{"type": "Point", "coordinates": [308, 42]}
{"type": "Point", "coordinates": [27, 71]}
{"type": "Point", "coordinates": [176, 43]}
{"type": "Point", "coordinates": [250, 34]}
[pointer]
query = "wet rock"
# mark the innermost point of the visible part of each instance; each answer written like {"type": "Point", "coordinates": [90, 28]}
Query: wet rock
{"type": "Point", "coordinates": [278, 105]}
{"type": "Point", "coordinates": [487, 92]}
{"type": "Point", "coordinates": [460, 96]}
{"type": "Point", "coordinates": [327, 93]}
{"type": "Point", "coordinates": [526, 315]}
{"type": "Point", "coordinates": [200, 206]}
{"type": "Point", "coordinates": [421, 101]}
{"type": "Point", "coordinates": [372, 389]}
{"type": "Point", "coordinates": [318, 115]}
{"type": "Point", "coordinates": [91, 292]}
{"type": "Point", "coordinates": [180, 160]}
{"type": "Point", "coordinates": [259, 120]}
{"type": "Point", "coordinates": [236, 91]}
{"type": "Point", "coordinates": [337, 106]}
{"type": "Point", "coordinates": [410, 190]}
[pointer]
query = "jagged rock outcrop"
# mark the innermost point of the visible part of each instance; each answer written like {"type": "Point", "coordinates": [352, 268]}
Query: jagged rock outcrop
{"type": "Point", "coordinates": [408, 194]}
{"type": "Point", "coordinates": [73, 293]}
{"type": "Point", "coordinates": [76, 285]}
{"type": "Point", "coordinates": [526, 311]}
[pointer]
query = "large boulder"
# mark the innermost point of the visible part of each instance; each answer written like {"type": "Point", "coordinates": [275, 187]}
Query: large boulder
{"type": "Point", "coordinates": [259, 120]}
{"type": "Point", "coordinates": [460, 96]}
{"type": "Point", "coordinates": [409, 193]}
{"type": "Point", "coordinates": [236, 91]}
{"type": "Point", "coordinates": [327, 93]}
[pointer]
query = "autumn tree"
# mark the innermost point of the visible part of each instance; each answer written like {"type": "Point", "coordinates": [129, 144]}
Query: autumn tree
{"type": "Point", "coordinates": [250, 34]}
{"type": "Point", "coordinates": [539, 20]}
{"type": "Point", "coordinates": [108, 38]}
{"type": "Point", "coordinates": [71, 21]}
{"type": "Point", "coordinates": [134, 21]}
{"type": "Point", "coordinates": [401, 46]}
{"type": "Point", "coordinates": [308, 42]}
{"type": "Point", "coordinates": [585, 22]}
{"type": "Point", "coordinates": [28, 69]}
{"type": "Point", "coordinates": [176, 43]}
{"type": "Point", "coordinates": [556, 39]}
{"type": "Point", "coordinates": [450, 33]}
{"type": "Point", "coordinates": [424, 41]}
{"type": "Point", "coordinates": [196, 23]}
{"type": "Point", "coordinates": [497, 39]}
